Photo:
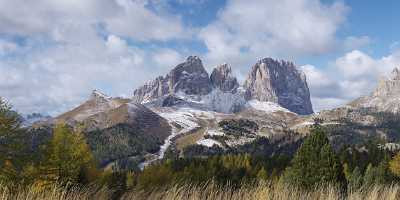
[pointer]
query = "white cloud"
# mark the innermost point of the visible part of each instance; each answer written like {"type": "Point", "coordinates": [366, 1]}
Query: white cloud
{"type": "Point", "coordinates": [167, 58]}
{"type": "Point", "coordinates": [259, 28]}
{"type": "Point", "coordinates": [72, 46]}
{"type": "Point", "coordinates": [135, 21]}
{"type": "Point", "coordinates": [357, 65]}
{"type": "Point", "coordinates": [122, 17]}
{"type": "Point", "coordinates": [116, 45]}
{"type": "Point", "coordinates": [56, 78]}
{"type": "Point", "coordinates": [63, 56]}
{"type": "Point", "coordinates": [351, 42]}
{"type": "Point", "coordinates": [7, 47]}
{"type": "Point", "coordinates": [353, 75]}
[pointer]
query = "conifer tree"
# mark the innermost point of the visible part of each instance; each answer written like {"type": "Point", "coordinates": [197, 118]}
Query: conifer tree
{"type": "Point", "coordinates": [11, 144]}
{"type": "Point", "coordinates": [315, 163]}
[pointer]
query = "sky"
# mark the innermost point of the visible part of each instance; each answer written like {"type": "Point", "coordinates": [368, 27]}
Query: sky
{"type": "Point", "coordinates": [53, 53]}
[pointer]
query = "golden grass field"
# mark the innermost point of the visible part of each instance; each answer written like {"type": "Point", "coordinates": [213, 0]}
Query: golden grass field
{"type": "Point", "coordinates": [210, 191]}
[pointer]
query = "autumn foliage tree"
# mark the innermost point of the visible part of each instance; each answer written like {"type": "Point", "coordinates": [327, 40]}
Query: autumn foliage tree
{"type": "Point", "coordinates": [394, 165]}
{"type": "Point", "coordinates": [68, 159]}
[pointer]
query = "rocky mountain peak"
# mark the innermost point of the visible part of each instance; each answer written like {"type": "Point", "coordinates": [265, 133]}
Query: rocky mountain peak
{"type": "Point", "coordinates": [279, 82]}
{"type": "Point", "coordinates": [223, 79]}
{"type": "Point", "coordinates": [395, 75]}
{"type": "Point", "coordinates": [99, 97]}
{"type": "Point", "coordinates": [193, 60]}
{"type": "Point", "coordinates": [389, 86]}
{"type": "Point", "coordinates": [189, 77]}
{"type": "Point", "coordinates": [386, 96]}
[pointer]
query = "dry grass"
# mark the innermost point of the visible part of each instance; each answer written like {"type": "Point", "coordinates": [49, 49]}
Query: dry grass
{"type": "Point", "coordinates": [210, 191]}
{"type": "Point", "coordinates": [264, 191]}
{"type": "Point", "coordinates": [54, 193]}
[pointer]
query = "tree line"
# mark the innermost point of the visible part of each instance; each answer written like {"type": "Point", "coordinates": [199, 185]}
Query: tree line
{"type": "Point", "coordinates": [67, 159]}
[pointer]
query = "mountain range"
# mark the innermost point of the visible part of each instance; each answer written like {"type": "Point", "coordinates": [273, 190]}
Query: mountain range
{"type": "Point", "coordinates": [189, 112]}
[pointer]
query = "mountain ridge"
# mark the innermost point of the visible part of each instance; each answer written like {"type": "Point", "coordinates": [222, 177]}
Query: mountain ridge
{"type": "Point", "coordinates": [269, 80]}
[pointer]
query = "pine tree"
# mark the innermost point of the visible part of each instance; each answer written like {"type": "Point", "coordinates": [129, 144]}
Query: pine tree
{"type": "Point", "coordinates": [315, 163]}
{"type": "Point", "coordinates": [11, 144]}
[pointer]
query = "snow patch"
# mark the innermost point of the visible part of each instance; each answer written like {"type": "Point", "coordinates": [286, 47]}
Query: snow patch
{"type": "Point", "coordinates": [208, 142]}
{"type": "Point", "coordinates": [266, 106]}
{"type": "Point", "coordinates": [184, 119]}
{"type": "Point", "coordinates": [224, 102]}
{"type": "Point", "coordinates": [239, 141]}
{"type": "Point", "coordinates": [215, 133]}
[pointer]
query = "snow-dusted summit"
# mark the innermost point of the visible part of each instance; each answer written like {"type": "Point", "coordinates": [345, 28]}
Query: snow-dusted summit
{"type": "Point", "coordinates": [223, 79]}
{"type": "Point", "coordinates": [189, 85]}
{"type": "Point", "coordinates": [189, 78]}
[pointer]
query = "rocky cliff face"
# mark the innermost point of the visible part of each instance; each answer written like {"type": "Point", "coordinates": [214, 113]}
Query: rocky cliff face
{"type": "Point", "coordinates": [269, 80]}
{"type": "Point", "coordinates": [389, 86]}
{"type": "Point", "coordinates": [189, 78]}
{"type": "Point", "coordinates": [223, 79]}
{"type": "Point", "coordinates": [386, 96]}
{"type": "Point", "coordinates": [279, 82]}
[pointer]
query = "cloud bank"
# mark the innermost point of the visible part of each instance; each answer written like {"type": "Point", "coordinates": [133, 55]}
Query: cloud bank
{"type": "Point", "coordinates": [53, 53]}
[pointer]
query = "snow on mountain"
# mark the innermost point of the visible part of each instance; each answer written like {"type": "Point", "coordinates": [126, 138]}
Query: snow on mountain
{"type": "Point", "coordinates": [181, 121]}
{"type": "Point", "coordinates": [268, 107]}
{"type": "Point", "coordinates": [183, 118]}
{"type": "Point", "coordinates": [224, 102]}
{"type": "Point", "coordinates": [208, 142]}
{"type": "Point", "coordinates": [214, 133]}
{"type": "Point", "coordinates": [189, 84]}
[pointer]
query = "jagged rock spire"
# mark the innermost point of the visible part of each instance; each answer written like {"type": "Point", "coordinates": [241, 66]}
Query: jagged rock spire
{"type": "Point", "coordinates": [395, 75]}
{"type": "Point", "coordinates": [279, 82]}
{"type": "Point", "coordinates": [189, 78]}
{"type": "Point", "coordinates": [223, 79]}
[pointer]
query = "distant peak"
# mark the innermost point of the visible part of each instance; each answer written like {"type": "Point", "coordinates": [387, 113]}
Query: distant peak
{"type": "Point", "coordinates": [222, 78]}
{"type": "Point", "coordinates": [193, 59]}
{"type": "Point", "coordinates": [99, 95]}
{"type": "Point", "coordinates": [269, 60]}
{"type": "Point", "coordinates": [224, 66]}
{"type": "Point", "coordinates": [192, 65]}
{"type": "Point", "coordinates": [395, 75]}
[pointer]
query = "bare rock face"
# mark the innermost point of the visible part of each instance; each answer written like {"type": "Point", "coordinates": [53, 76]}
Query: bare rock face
{"type": "Point", "coordinates": [389, 86]}
{"type": "Point", "coordinates": [223, 79]}
{"type": "Point", "coordinates": [386, 96]}
{"type": "Point", "coordinates": [279, 82]}
{"type": "Point", "coordinates": [171, 100]}
{"type": "Point", "coordinates": [189, 77]}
